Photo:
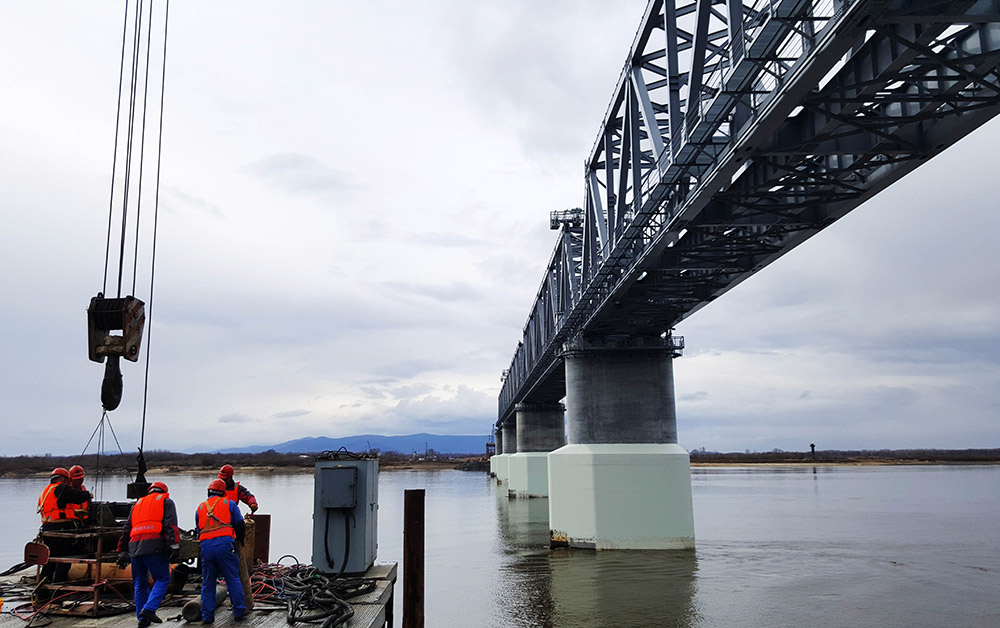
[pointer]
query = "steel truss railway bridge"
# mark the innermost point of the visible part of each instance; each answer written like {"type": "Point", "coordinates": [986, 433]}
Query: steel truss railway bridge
{"type": "Point", "coordinates": [737, 130]}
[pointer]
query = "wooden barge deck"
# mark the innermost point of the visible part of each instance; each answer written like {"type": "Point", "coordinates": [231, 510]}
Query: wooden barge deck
{"type": "Point", "coordinates": [371, 610]}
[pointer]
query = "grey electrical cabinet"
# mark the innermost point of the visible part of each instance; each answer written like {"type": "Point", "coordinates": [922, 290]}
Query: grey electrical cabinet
{"type": "Point", "coordinates": [345, 512]}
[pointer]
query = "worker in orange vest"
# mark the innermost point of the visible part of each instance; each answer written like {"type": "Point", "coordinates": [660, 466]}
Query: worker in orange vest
{"type": "Point", "coordinates": [236, 492]}
{"type": "Point", "coordinates": [150, 534]}
{"type": "Point", "coordinates": [220, 526]}
{"type": "Point", "coordinates": [76, 477]}
{"type": "Point", "coordinates": [54, 507]}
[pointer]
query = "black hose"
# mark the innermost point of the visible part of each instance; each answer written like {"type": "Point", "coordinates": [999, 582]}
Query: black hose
{"type": "Point", "coordinates": [313, 597]}
{"type": "Point", "coordinates": [347, 542]}
{"type": "Point", "coordinates": [16, 568]}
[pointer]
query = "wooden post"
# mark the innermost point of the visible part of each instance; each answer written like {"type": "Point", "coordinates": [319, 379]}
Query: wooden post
{"type": "Point", "coordinates": [413, 558]}
{"type": "Point", "coordinates": [262, 537]}
{"type": "Point", "coordinates": [245, 555]}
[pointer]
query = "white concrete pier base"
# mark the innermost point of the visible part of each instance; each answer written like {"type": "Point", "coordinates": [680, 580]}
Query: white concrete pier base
{"type": "Point", "coordinates": [493, 466]}
{"type": "Point", "coordinates": [529, 474]}
{"type": "Point", "coordinates": [503, 467]}
{"type": "Point", "coordinates": [621, 496]}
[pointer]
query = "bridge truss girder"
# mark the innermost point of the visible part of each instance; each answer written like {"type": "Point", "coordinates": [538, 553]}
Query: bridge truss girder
{"type": "Point", "coordinates": [738, 130]}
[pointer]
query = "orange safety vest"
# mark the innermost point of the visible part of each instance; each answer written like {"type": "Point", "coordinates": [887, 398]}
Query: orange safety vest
{"type": "Point", "coordinates": [147, 515]}
{"type": "Point", "coordinates": [234, 495]}
{"type": "Point", "coordinates": [48, 507]}
{"type": "Point", "coordinates": [214, 518]}
{"type": "Point", "coordinates": [72, 508]}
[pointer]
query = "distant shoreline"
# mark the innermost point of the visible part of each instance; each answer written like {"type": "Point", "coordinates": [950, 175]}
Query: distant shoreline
{"type": "Point", "coordinates": [167, 463]}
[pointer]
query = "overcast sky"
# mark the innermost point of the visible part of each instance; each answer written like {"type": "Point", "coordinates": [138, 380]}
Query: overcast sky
{"type": "Point", "coordinates": [354, 221]}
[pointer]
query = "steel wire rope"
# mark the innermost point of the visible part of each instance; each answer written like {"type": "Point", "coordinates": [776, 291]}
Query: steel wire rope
{"type": "Point", "coordinates": [156, 217]}
{"type": "Point", "coordinates": [114, 158]}
{"type": "Point", "coordinates": [100, 444]}
{"type": "Point", "coordinates": [136, 40]}
{"type": "Point", "coordinates": [142, 144]}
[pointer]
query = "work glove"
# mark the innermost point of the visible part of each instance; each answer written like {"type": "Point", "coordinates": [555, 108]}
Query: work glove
{"type": "Point", "coordinates": [123, 560]}
{"type": "Point", "coordinates": [253, 507]}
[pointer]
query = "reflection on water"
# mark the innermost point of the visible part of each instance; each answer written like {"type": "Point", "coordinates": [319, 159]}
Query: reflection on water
{"type": "Point", "coordinates": [573, 587]}
{"type": "Point", "coordinates": [804, 546]}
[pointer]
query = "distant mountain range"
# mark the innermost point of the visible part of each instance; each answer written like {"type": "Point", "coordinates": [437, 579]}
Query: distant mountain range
{"type": "Point", "coordinates": [408, 444]}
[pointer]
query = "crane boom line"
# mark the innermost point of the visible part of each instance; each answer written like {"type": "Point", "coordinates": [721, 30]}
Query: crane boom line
{"type": "Point", "coordinates": [129, 142]}
{"type": "Point", "coordinates": [142, 145]}
{"type": "Point", "coordinates": [156, 216]}
{"type": "Point", "coordinates": [114, 158]}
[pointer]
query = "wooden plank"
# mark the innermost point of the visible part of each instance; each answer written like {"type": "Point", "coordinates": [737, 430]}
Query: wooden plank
{"type": "Point", "coordinates": [370, 609]}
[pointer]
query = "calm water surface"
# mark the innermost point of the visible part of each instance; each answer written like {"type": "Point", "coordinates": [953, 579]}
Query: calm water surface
{"type": "Point", "coordinates": [831, 546]}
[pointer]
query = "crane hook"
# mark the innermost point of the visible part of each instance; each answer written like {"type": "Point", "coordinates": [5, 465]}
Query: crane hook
{"type": "Point", "coordinates": [111, 387]}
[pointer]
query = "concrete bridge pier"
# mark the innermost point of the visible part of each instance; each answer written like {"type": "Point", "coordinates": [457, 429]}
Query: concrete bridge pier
{"type": "Point", "coordinates": [508, 438]}
{"type": "Point", "coordinates": [621, 482]}
{"type": "Point", "coordinates": [497, 450]}
{"type": "Point", "coordinates": [540, 429]}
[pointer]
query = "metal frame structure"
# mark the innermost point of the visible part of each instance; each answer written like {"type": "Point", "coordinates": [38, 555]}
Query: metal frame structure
{"type": "Point", "coordinates": [737, 130]}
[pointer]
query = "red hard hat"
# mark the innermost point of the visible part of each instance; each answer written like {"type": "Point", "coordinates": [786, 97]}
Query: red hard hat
{"type": "Point", "coordinates": [60, 472]}
{"type": "Point", "coordinates": [158, 486]}
{"type": "Point", "coordinates": [76, 472]}
{"type": "Point", "coordinates": [217, 485]}
{"type": "Point", "coordinates": [226, 471]}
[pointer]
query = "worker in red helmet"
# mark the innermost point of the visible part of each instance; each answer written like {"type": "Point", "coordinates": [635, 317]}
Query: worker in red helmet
{"type": "Point", "coordinates": [220, 527]}
{"type": "Point", "coordinates": [150, 534]}
{"type": "Point", "coordinates": [78, 511]}
{"type": "Point", "coordinates": [54, 507]}
{"type": "Point", "coordinates": [236, 492]}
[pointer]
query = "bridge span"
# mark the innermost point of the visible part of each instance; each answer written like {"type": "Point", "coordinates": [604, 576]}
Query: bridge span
{"type": "Point", "coordinates": [737, 130]}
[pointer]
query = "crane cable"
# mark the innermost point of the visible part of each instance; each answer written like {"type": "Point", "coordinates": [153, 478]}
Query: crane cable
{"type": "Point", "coordinates": [126, 179]}
{"type": "Point", "coordinates": [156, 217]}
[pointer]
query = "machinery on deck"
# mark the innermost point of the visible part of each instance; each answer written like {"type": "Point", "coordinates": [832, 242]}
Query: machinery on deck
{"type": "Point", "coordinates": [87, 542]}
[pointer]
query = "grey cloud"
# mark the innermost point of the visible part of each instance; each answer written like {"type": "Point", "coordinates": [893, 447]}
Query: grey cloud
{"type": "Point", "coordinates": [456, 291]}
{"type": "Point", "coordinates": [236, 418]}
{"type": "Point", "coordinates": [303, 174]}
{"type": "Point", "coordinates": [448, 240]}
{"type": "Point", "coordinates": [411, 368]}
{"type": "Point", "coordinates": [694, 397]}
{"type": "Point", "coordinates": [289, 414]}
{"type": "Point", "coordinates": [178, 200]}
{"type": "Point", "coordinates": [372, 392]}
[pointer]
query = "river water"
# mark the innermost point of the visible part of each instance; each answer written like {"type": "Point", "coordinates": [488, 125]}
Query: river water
{"type": "Point", "coordinates": [827, 546]}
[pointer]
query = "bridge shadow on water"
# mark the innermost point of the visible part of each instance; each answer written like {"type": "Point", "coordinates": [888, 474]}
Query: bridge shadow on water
{"type": "Point", "coordinates": [577, 587]}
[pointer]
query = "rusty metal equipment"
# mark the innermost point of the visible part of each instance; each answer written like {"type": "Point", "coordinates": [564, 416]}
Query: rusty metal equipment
{"type": "Point", "coordinates": [102, 590]}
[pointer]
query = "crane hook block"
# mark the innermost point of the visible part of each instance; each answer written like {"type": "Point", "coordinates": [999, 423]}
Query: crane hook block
{"type": "Point", "coordinates": [106, 315]}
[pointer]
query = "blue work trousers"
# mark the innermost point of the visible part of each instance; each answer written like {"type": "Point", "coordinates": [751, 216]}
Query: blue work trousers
{"type": "Point", "coordinates": [157, 566]}
{"type": "Point", "coordinates": [218, 556]}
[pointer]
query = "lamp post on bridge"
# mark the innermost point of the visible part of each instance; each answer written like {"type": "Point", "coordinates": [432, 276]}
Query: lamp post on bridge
{"type": "Point", "coordinates": [621, 481]}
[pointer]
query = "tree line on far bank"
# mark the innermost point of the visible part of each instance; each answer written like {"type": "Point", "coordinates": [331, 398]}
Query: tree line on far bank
{"type": "Point", "coordinates": [944, 456]}
{"type": "Point", "coordinates": [127, 464]}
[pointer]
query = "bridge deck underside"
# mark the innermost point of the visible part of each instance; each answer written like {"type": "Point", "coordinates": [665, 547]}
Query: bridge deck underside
{"type": "Point", "coordinates": [879, 90]}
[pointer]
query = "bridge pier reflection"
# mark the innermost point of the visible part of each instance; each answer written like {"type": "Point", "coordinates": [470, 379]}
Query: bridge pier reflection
{"type": "Point", "coordinates": [621, 482]}
{"type": "Point", "coordinates": [561, 587]}
{"type": "Point", "coordinates": [540, 429]}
